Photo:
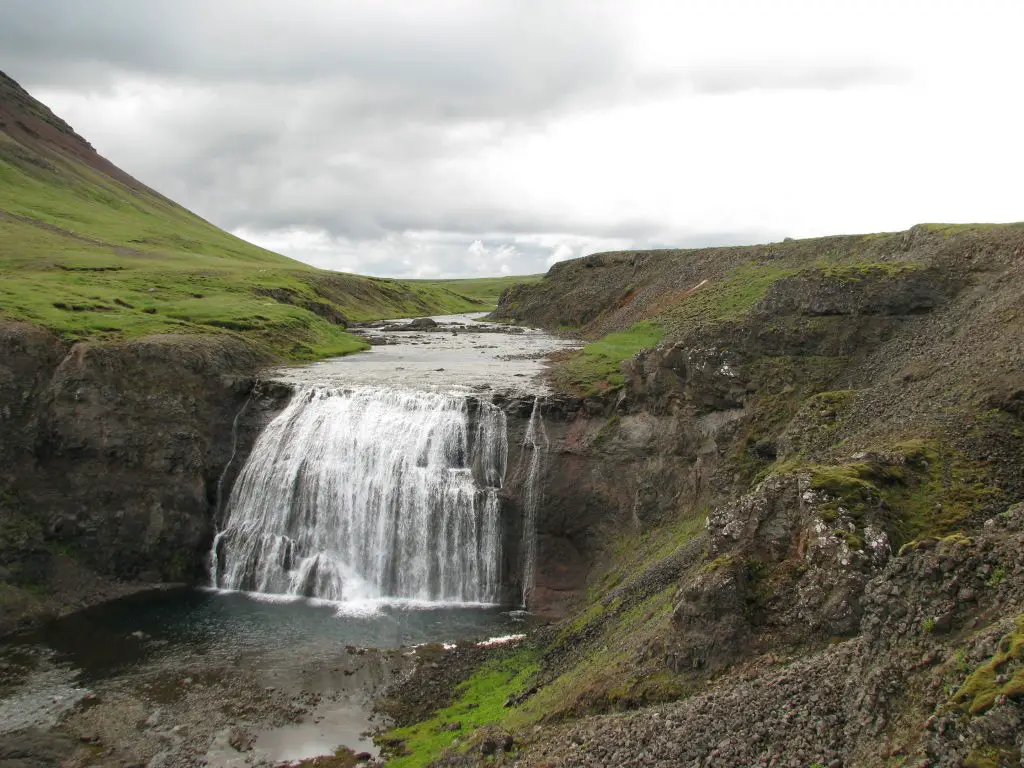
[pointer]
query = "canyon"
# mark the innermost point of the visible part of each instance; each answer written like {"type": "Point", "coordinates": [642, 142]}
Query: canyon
{"type": "Point", "coordinates": [761, 504]}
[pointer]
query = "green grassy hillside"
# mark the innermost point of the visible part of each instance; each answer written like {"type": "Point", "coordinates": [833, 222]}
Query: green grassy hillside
{"type": "Point", "coordinates": [94, 254]}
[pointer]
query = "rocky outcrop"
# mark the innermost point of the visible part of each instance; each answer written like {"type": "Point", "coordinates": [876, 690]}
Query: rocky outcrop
{"type": "Point", "coordinates": [113, 453]}
{"type": "Point", "coordinates": [900, 692]}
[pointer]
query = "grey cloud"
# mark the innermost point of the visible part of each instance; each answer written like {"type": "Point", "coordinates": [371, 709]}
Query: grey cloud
{"type": "Point", "coordinates": [339, 117]}
{"type": "Point", "coordinates": [455, 58]}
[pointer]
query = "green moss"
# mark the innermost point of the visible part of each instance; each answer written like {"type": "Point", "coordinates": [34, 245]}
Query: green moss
{"type": "Point", "coordinates": [722, 561]}
{"type": "Point", "coordinates": [1001, 675]}
{"type": "Point", "coordinates": [865, 270]}
{"type": "Point", "coordinates": [633, 554]}
{"type": "Point", "coordinates": [607, 431]}
{"type": "Point", "coordinates": [918, 490]}
{"type": "Point", "coordinates": [853, 540]}
{"type": "Point", "coordinates": [997, 577]}
{"type": "Point", "coordinates": [991, 757]}
{"type": "Point", "coordinates": [727, 299]}
{"type": "Point", "coordinates": [607, 671]}
{"type": "Point", "coordinates": [785, 390]}
{"type": "Point", "coordinates": [612, 643]}
{"type": "Point", "coordinates": [480, 701]}
{"type": "Point", "coordinates": [595, 369]}
{"type": "Point", "coordinates": [950, 230]}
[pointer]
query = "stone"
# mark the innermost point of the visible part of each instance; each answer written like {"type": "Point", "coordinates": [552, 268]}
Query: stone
{"type": "Point", "coordinates": [422, 324]}
{"type": "Point", "coordinates": [154, 719]}
{"type": "Point", "coordinates": [240, 739]}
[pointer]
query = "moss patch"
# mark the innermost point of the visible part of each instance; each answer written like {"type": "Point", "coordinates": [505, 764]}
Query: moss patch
{"type": "Point", "coordinates": [787, 389]}
{"type": "Point", "coordinates": [610, 655]}
{"type": "Point", "coordinates": [726, 299]}
{"type": "Point", "coordinates": [617, 665]}
{"type": "Point", "coordinates": [633, 554]}
{"type": "Point", "coordinates": [917, 489]}
{"type": "Point", "coordinates": [595, 369]}
{"type": "Point", "coordinates": [864, 270]}
{"type": "Point", "coordinates": [480, 701]}
{"type": "Point", "coordinates": [1002, 675]}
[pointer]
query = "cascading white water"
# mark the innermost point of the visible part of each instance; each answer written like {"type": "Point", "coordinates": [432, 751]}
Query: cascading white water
{"type": "Point", "coordinates": [536, 440]}
{"type": "Point", "coordinates": [369, 493]}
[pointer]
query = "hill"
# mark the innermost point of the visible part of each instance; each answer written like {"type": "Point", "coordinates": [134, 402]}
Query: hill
{"type": "Point", "coordinates": [788, 474]}
{"type": "Point", "coordinates": [89, 252]}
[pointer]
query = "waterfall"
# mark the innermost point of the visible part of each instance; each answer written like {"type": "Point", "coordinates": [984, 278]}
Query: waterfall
{"type": "Point", "coordinates": [369, 493]}
{"type": "Point", "coordinates": [536, 440]}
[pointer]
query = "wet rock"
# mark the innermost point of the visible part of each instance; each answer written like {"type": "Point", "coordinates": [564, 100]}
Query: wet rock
{"type": "Point", "coordinates": [422, 324]}
{"type": "Point", "coordinates": [240, 739]}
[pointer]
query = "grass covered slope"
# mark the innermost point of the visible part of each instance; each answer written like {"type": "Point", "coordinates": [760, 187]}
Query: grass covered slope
{"type": "Point", "coordinates": [88, 252]}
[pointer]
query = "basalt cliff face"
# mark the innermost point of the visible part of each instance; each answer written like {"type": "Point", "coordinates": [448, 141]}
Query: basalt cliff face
{"type": "Point", "coordinates": [111, 462]}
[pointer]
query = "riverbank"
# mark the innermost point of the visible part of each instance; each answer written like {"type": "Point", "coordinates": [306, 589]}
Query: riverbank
{"type": "Point", "coordinates": [184, 678]}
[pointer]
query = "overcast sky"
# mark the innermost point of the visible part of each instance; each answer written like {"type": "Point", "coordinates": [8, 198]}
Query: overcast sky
{"type": "Point", "coordinates": [473, 137]}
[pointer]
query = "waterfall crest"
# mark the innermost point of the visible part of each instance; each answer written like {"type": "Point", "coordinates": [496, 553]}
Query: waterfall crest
{"type": "Point", "coordinates": [369, 493]}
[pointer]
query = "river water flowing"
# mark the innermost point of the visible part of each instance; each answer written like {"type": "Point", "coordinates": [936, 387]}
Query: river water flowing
{"type": "Point", "coordinates": [366, 515]}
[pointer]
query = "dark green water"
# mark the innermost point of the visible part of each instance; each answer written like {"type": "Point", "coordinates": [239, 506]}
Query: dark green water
{"type": "Point", "coordinates": [167, 626]}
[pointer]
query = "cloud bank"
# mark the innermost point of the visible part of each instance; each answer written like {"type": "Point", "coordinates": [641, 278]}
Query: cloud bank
{"type": "Point", "coordinates": [457, 138]}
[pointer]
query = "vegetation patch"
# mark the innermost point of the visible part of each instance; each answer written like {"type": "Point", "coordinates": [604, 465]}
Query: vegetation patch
{"type": "Point", "coordinates": [918, 489]}
{"type": "Point", "coordinates": [484, 291]}
{"type": "Point", "coordinates": [619, 666]}
{"type": "Point", "coordinates": [480, 701]}
{"type": "Point", "coordinates": [1001, 675]}
{"type": "Point", "coordinates": [89, 258]}
{"type": "Point", "coordinates": [595, 369]}
{"type": "Point", "coordinates": [849, 273]}
{"type": "Point", "coordinates": [788, 389]}
{"type": "Point", "coordinates": [634, 554]}
{"type": "Point", "coordinates": [610, 656]}
{"type": "Point", "coordinates": [992, 757]}
{"type": "Point", "coordinates": [958, 229]}
{"type": "Point", "coordinates": [727, 299]}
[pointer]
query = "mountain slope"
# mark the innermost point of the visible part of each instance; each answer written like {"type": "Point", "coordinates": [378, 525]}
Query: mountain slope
{"type": "Point", "coordinates": [89, 252]}
{"type": "Point", "coordinates": [788, 474]}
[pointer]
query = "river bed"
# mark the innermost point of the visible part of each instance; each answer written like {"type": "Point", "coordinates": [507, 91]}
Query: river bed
{"type": "Point", "coordinates": [462, 353]}
{"type": "Point", "coordinates": [178, 675]}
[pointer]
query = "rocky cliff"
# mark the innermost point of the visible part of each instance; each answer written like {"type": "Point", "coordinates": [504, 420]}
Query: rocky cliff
{"type": "Point", "coordinates": [111, 461]}
{"type": "Point", "coordinates": [793, 514]}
